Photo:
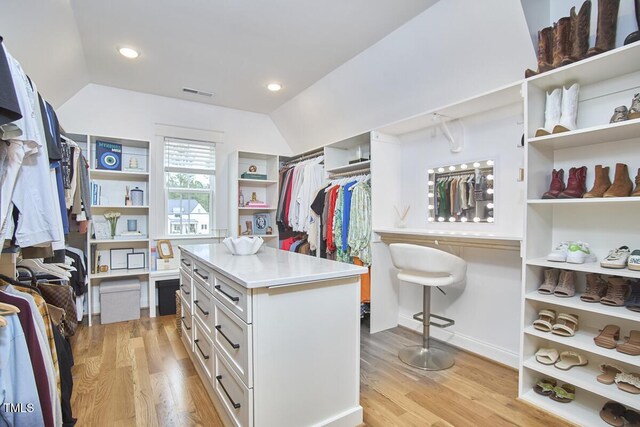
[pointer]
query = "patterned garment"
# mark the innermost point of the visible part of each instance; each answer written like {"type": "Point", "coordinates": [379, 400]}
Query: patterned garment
{"type": "Point", "coordinates": [360, 223]}
{"type": "Point", "coordinates": [341, 255]}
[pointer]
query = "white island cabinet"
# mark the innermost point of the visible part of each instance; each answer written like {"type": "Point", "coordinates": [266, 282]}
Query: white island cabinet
{"type": "Point", "coordinates": [274, 336]}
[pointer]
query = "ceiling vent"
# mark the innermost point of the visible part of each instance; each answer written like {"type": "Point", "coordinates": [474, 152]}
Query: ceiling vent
{"type": "Point", "coordinates": [197, 92]}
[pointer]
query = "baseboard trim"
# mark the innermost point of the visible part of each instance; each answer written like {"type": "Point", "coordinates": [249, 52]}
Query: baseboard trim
{"type": "Point", "coordinates": [350, 418]}
{"type": "Point", "coordinates": [464, 342]}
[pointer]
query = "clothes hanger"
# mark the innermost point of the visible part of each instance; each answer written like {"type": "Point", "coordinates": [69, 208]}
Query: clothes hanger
{"type": "Point", "coordinates": [3, 322]}
{"type": "Point", "coordinates": [39, 267]}
{"type": "Point", "coordinates": [8, 309]}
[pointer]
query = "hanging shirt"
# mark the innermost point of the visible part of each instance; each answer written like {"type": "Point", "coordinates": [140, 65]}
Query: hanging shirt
{"type": "Point", "coordinates": [333, 195]}
{"type": "Point", "coordinates": [360, 223]}
{"type": "Point", "coordinates": [9, 106]}
{"type": "Point", "coordinates": [346, 211]}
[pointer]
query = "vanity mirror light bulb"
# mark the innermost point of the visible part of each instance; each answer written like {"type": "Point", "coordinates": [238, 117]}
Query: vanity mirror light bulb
{"type": "Point", "coordinates": [430, 206]}
{"type": "Point", "coordinates": [430, 171]}
{"type": "Point", "coordinates": [463, 166]}
{"type": "Point", "coordinates": [476, 165]}
{"type": "Point", "coordinates": [452, 168]}
{"type": "Point", "coordinates": [430, 194]}
{"type": "Point", "coordinates": [440, 219]}
{"type": "Point", "coordinates": [476, 219]}
{"type": "Point", "coordinates": [490, 205]}
{"type": "Point", "coordinates": [490, 177]}
{"type": "Point", "coordinates": [490, 219]}
{"type": "Point", "coordinates": [490, 191]}
{"type": "Point", "coordinates": [452, 219]}
{"type": "Point", "coordinates": [430, 182]}
{"type": "Point", "coordinates": [431, 219]}
{"type": "Point", "coordinates": [464, 219]}
{"type": "Point", "coordinates": [489, 162]}
{"type": "Point", "coordinates": [440, 169]}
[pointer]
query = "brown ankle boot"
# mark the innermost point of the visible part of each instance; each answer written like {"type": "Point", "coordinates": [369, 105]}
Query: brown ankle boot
{"type": "Point", "coordinates": [557, 185]}
{"type": "Point", "coordinates": [580, 26]}
{"type": "Point", "coordinates": [636, 192]}
{"type": "Point", "coordinates": [576, 184]}
{"type": "Point", "coordinates": [562, 42]}
{"type": "Point", "coordinates": [622, 184]}
{"type": "Point", "coordinates": [596, 288]}
{"type": "Point", "coordinates": [601, 183]}
{"type": "Point", "coordinates": [545, 47]}
{"type": "Point", "coordinates": [607, 25]}
{"type": "Point", "coordinates": [618, 290]}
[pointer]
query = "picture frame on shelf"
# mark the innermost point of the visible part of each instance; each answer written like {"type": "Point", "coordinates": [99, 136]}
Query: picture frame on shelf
{"type": "Point", "coordinates": [118, 258]}
{"type": "Point", "coordinates": [101, 230]}
{"type": "Point", "coordinates": [108, 156]}
{"type": "Point", "coordinates": [165, 250]}
{"type": "Point", "coordinates": [260, 224]}
{"type": "Point", "coordinates": [136, 260]}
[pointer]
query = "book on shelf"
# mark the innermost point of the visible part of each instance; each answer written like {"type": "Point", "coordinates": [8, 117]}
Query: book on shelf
{"type": "Point", "coordinates": [256, 205]}
{"type": "Point", "coordinates": [247, 175]}
{"type": "Point", "coordinates": [108, 156]}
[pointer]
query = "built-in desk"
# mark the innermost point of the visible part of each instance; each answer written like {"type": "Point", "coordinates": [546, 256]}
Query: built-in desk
{"type": "Point", "coordinates": [452, 238]}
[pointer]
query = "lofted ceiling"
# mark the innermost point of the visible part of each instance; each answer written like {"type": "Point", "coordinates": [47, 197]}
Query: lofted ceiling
{"type": "Point", "coordinates": [232, 48]}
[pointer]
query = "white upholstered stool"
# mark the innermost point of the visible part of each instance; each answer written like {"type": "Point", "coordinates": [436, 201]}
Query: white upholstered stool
{"type": "Point", "coordinates": [427, 267]}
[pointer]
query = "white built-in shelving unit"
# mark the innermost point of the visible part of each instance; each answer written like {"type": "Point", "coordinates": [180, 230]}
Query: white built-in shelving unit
{"type": "Point", "coordinates": [606, 81]}
{"type": "Point", "coordinates": [113, 185]}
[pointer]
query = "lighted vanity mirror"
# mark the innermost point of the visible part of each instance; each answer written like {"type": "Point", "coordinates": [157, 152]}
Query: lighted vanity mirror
{"type": "Point", "coordinates": [462, 193]}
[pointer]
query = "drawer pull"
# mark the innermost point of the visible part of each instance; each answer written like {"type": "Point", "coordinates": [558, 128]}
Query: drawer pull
{"type": "Point", "coordinates": [206, 313]}
{"type": "Point", "coordinates": [195, 270]}
{"type": "Point", "coordinates": [186, 263]}
{"type": "Point", "coordinates": [185, 292]}
{"type": "Point", "coordinates": [219, 329]}
{"type": "Point", "coordinates": [200, 350]}
{"type": "Point", "coordinates": [219, 379]}
{"type": "Point", "coordinates": [231, 297]}
{"type": "Point", "coordinates": [185, 324]}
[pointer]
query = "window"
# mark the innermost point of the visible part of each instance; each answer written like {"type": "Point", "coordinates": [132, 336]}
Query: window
{"type": "Point", "coordinates": [189, 176]}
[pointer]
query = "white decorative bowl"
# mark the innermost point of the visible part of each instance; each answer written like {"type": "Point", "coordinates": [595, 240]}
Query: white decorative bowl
{"type": "Point", "coordinates": [243, 245]}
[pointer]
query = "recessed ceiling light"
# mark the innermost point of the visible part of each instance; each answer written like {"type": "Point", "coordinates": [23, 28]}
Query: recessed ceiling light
{"type": "Point", "coordinates": [274, 87]}
{"type": "Point", "coordinates": [128, 52]}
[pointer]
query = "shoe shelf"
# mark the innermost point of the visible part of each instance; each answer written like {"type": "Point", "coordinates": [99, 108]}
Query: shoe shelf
{"type": "Point", "coordinates": [577, 304]}
{"type": "Point", "coordinates": [606, 66]}
{"type": "Point", "coordinates": [584, 378]}
{"type": "Point", "coordinates": [595, 200]}
{"type": "Point", "coordinates": [589, 267]}
{"type": "Point", "coordinates": [609, 132]}
{"type": "Point", "coordinates": [584, 411]}
{"type": "Point", "coordinates": [583, 340]}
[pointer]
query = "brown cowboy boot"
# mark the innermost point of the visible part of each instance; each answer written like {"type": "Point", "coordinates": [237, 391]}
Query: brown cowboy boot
{"type": "Point", "coordinates": [580, 27]}
{"type": "Point", "coordinates": [607, 25]}
{"type": "Point", "coordinates": [545, 47]}
{"type": "Point", "coordinates": [562, 42]}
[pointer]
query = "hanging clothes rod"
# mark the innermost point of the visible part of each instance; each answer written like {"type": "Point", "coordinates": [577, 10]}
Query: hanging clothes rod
{"type": "Point", "coordinates": [463, 172]}
{"type": "Point", "coordinates": [302, 157]}
{"type": "Point", "coordinates": [352, 173]}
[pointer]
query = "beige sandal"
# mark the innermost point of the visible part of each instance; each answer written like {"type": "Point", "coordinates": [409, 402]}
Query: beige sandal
{"type": "Point", "coordinates": [566, 325]}
{"type": "Point", "coordinates": [628, 382]}
{"type": "Point", "coordinates": [547, 356]}
{"type": "Point", "coordinates": [569, 359]}
{"type": "Point", "coordinates": [545, 320]}
{"type": "Point", "coordinates": [609, 373]}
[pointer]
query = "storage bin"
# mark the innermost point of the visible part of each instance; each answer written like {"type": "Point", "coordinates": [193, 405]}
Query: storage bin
{"type": "Point", "coordinates": [119, 300]}
{"type": "Point", "coordinates": [167, 296]}
{"type": "Point", "coordinates": [178, 314]}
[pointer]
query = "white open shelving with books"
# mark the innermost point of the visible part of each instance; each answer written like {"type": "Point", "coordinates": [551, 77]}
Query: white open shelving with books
{"type": "Point", "coordinates": [108, 191]}
{"type": "Point", "coordinates": [606, 81]}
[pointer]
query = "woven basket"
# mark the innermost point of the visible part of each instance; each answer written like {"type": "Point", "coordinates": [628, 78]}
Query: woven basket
{"type": "Point", "coordinates": [178, 314]}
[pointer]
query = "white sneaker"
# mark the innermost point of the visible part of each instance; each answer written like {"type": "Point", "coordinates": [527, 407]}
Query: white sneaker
{"type": "Point", "coordinates": [634, 260]}
{"type": "Point", "coordinates": [617, 258]}
{"type": "Point", "coordinates": [559, 254]}
{"type": "Point", "coordinates": [579, 253]}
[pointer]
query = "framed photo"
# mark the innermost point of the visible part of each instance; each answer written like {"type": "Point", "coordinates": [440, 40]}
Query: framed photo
{"type": "Point", "coordinates": [101, 230]}
{"type": "Point", "coordinates": [260, 224]}
{"type": "Point", "coordinates": [165, 250]}
{"type": "Point", "coordinates": [135, 260]}
{"type": "Point", "coordinates": [119, 258]}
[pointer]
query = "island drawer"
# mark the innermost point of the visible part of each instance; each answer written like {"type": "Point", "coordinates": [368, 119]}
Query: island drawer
{"type": "Point", "coordinates": [203, 275]}
{"type": "Point", "coordinates": [232, 337]}
{"type": "Point", "coordinates": [235, 297]}
{"type": "Point", "coordinates": [203, 349]}
{"type": "Point", "coordinates": [186, 264]}
{"type": "Point", "coordinates": [203, 307]}
{"type": "Point", "coordinates": [187, 326]}
{"type": "Point", "coordinates": [186, 289]}
{"type": "Point", "coordinates": [235, 397]}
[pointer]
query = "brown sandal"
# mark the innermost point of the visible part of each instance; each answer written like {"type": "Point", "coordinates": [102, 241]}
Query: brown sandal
{"type": "Point", "coordinates": [609, 373]}
{"type": "Point", "coordinates": [612, 413]}
{"type": "Point", "coordinates": [608, 337]}
{"type": "Point", "coordinates": [631, 345]}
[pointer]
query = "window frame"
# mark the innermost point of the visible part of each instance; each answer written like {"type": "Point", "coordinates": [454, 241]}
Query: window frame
{"type": "Point", "coordinates": [211, 191]}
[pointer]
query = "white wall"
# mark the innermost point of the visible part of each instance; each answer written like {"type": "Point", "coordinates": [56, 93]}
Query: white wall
{"type": "Point", "coordinates": [452, 51]}
{"type": "Point", "coordinates": [106, 111]}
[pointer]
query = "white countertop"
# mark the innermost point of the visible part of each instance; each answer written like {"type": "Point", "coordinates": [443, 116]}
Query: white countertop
{"type": "Point", "coordinates": [451, 234]}
{"type": "Point", "coordinates": [270, 267]}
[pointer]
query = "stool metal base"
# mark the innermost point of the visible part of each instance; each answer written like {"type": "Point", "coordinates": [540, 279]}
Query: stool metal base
{"type": "Point", "coordinates": [428, 359]}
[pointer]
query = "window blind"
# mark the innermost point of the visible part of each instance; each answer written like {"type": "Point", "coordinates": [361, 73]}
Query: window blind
{"type": "Point", "coordinates": [181, 155]}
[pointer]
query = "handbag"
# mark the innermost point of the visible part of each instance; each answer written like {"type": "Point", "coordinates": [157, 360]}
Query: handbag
{"type": "Point", "coordinates": [62, 296]}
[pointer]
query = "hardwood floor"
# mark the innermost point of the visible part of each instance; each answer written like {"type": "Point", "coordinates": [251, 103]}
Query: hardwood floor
{"type": "Point", "coordinates": [138, 374]}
